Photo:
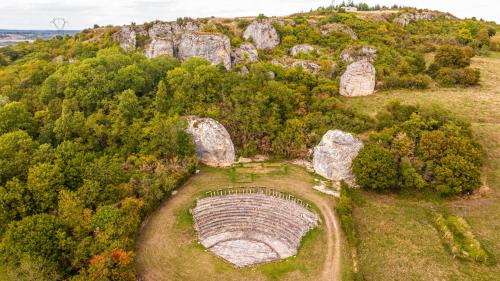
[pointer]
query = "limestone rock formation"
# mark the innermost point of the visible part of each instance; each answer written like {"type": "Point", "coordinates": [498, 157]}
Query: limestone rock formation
{"type": "Point", "coordinates": [333, 156]}
{"type": "Point", "coordinates": [351, 54]}
{"type": "Point", "coordinates": [358, 79]}
{"type": "Point", "coordinates": [308, 66]}
{"type": "Point", "coordinates": [159, 47]}
{"type": "Point", "coordinates": [407, 18]}
{"type": "Point", "coordinates": [337, 27]}
{"type": "Point", "coordinates": [213, 144]}
{"type": "Point", "coordinates": [245, 53]}
{"type": "Point", "coordinates": [304, 48]}
{"type": "Point", "coordinates": [126, 37]}
{"type": "Point", "coordinates": [214, 47]}
{"type": "Point", "coordinates": [263, 34]}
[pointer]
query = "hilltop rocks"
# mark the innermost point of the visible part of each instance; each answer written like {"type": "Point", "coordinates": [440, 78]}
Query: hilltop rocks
{"type": "Point", "coordinates": [126, 37]}
{"type": "Point", "coordinates": [159, 47]}
{"type": "Point", "coordinates": [358, 79]}
{"type": "Point", "coordinates": [263, 34]}
{"type": "Point", "coordinates": [406, 18]}
{"type": "Point", "coordinates": [214, 47]}
{"type": "Point", "coordinates": [304, 48]}
{"type": "Point", "coordinates": [245, 53]}
{"type": "Point", "coordinates": [352, 54]}
{"type": "Point", "coordinates": [168, 29]}
{"type": "Point", "coordinates": [337, 27]}
{"type": "Point", "coordinates": [333, 156]}
{"type": "Point", "coordinates": [213, 144]}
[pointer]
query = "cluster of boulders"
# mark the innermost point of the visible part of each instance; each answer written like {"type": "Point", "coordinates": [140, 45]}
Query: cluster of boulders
{"type": "Point", "coordinates": [409, 17]}
{"type": "Point", "coordinates": [332, 157]}
{"type": "Point", "coordinates": [187, 40]}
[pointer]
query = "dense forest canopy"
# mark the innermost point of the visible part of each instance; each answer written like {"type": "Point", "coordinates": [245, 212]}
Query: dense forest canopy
{"type": "Point", "coordinates": [92, 138]}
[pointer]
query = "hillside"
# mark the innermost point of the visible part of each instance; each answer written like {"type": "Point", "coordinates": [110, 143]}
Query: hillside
{"type": "Point", "coordinates": [98, 129]}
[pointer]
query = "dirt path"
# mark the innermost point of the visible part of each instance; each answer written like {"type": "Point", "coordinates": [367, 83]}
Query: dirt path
{"type": "Point", "coordinates": [331, 268]}
{"type": "Point", "coordinates": [159, 257]}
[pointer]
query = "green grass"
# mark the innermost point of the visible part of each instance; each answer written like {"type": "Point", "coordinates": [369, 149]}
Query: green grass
{"type": "Point", "coordinates": [168, 247]}
{"type": "Point", "coordinates": [397, 236]}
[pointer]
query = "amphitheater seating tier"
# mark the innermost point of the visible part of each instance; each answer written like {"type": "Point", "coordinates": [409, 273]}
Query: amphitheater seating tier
{"type": "Point", "coordinates": [252, 228]}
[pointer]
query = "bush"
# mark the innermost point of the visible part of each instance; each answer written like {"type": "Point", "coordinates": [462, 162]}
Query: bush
{"type": "Point", "coordinates": [408, 81]}
{"type": "Point", "coordinates": [452, 56]}
{"type": "Point", "coordinates": [455, 76]}
{"type": "Point", "coordinates": [375, 168]}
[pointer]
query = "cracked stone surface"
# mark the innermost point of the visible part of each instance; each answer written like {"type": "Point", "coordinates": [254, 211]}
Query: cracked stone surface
{"type": "Point", "coordinates": [358, 79]}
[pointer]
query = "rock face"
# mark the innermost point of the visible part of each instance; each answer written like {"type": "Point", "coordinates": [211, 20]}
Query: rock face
{"type": "Point", "coordinates": [214, 47]}
{"type": "Point", "coordinates": [337, 27]}
{"type": "Point", "coordinates": [358, 79]}
{"type": "Point", "coordinates": [213, 144]}
{"type": "Point", "coordinates": [263, 34]}
{"type": "Point", "coordinates": [304, 48]}
{"type": "Point", "coordinates": [126, 37]}
{"type": "Point", "coordinates": [159, 47]}
{"type": "Point", "coordinates": [333, 156]}
{"type": "Point", "coordinates": [352, 54]}
{"type": "Point", "coordinates": [407, 18]}
{"type": "Point", "coordinates": [245, 53]}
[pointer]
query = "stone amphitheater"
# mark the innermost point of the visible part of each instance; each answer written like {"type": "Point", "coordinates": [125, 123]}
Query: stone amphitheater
{"type": "Point", "coordinates": [247, 226]}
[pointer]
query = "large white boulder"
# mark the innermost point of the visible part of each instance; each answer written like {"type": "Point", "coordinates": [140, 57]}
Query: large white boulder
{"type": "Point", "coordinates": [213, 143]}
{"type": "Point", "coordinates": [263, 34]}
{"type": "Point", "coordinates": [333, 156]}
{"type": "Point", "coordinates": [358, 79]}
{"type": "Point", "coordinates": [214, 47]}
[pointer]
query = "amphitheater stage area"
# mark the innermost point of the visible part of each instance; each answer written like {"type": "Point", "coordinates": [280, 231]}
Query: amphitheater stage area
{"type": "Point", "coordinates": [169, 246]}
{"type": "Point", "coordinates": [247, 226]}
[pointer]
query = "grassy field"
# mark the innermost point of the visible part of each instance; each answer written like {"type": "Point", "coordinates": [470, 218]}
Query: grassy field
{"type": "Point", "coordinates": [397, 239]}
{"type": "Point", "coordinates": [168, 249]}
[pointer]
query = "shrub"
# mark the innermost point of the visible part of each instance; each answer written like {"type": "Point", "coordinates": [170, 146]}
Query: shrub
{"type": "Point", "coordinates": [375, 168]}
{"type": "Point", "coordinates": [451, 56]}
{"type": "Point", "coordinates": [456, 76]}
{"type": "Point", "coordinates": [408, 81]}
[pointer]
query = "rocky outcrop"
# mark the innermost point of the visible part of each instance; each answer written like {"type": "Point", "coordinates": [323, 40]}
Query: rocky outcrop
{"type": "Point", "coordinates": [159, 47]}
{"type": "Point", "coordinates": [126, 37]}
{"type": "Point", "coordinates": [245, 53]}
{"type": "Point", "coordinates": [214, 47]}
{"type": "Point", "coordinates": [263, 34]}
{"type": "Point", "coordinates": [213, 144]}
{"type": "Point", "coordinates": [352, 54]}
{"type": "Point", "coordinates": [168, 29]}
{"type": "Point", "coordinates": [333, 156]}
{"type": "Point", "coordinates": [337, 27]}
{"type": "Point", "coordinates": [358, 79]}
{"type": "Point", "coordinates": [308, 66]}
{"type": "Point", "coordinates": [406, 18]}
{"type": "Point", "coordinates": [304, 48]}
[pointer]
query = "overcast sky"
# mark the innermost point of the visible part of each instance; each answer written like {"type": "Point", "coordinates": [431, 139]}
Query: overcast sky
{"type": "Point", "coordinates": [36, 14]}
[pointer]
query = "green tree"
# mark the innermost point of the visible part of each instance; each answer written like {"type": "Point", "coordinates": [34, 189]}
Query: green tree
{"type": "Point", "coordinates": [14, 116]}
{"type": "Point", "coordinates": [16, 149]}
{"type": "Point", "coordinates": [162, 100]}
{"type": "Point", "coordinates": [45, 180]}
{"type": "Point", "coordinates": [128, 106]}
{"type": "Point", "coordinates": [376, 168]}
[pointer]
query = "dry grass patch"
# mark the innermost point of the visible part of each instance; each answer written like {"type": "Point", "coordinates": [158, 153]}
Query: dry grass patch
{"type": "Point", "coordinates": [397, 240]}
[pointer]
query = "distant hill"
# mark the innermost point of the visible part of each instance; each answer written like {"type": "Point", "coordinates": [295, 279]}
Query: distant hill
{"type": "Point", "coordinates": [10, 37]}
